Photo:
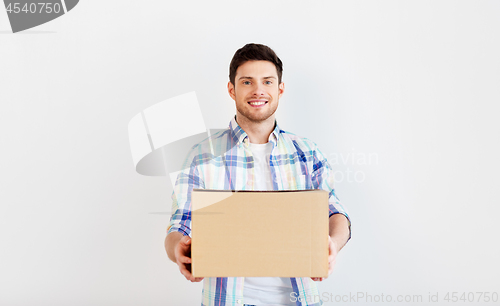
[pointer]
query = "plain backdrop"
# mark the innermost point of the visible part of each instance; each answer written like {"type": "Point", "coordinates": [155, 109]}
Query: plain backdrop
{"type": "Point", "coordinates": [403, 94]}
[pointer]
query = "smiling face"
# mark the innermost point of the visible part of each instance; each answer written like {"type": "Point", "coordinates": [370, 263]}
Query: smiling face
{"type": "Point", "coordinates": [256, 91]}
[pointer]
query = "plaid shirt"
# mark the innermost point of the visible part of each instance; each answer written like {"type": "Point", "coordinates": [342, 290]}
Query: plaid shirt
{"type": "Point", "coordinates": [224, 161]}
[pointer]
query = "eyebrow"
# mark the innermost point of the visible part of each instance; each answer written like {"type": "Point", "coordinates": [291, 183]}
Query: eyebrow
{"type": "Point", "coordinates": [250, 78]}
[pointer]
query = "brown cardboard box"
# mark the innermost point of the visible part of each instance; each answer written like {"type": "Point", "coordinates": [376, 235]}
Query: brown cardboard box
{"type": "Point", "coordinates": [259, 233]}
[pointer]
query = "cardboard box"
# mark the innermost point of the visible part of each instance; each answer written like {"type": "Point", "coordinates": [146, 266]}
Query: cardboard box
{"type": "Point", "coordinates": [259, 233]}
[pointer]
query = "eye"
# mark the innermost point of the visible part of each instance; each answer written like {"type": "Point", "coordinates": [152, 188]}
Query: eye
{"type": "Point", "coordinates": [268, 82]}
{"type": "Point", "coordinates": [246, 82]}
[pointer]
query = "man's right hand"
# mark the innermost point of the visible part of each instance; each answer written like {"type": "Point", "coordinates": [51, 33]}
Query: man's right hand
{"type": "Point", "coordinates": [181, 247]}
{"type": "Point", "coordinates": [183, 258]}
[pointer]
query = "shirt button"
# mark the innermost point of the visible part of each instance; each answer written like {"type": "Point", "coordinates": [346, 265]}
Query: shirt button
{"type": "Point", "coordinates": [239, 301]}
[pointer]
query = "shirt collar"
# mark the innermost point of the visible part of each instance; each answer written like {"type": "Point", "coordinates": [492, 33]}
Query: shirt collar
{"type": "Point", "coordinates": [240, 136]}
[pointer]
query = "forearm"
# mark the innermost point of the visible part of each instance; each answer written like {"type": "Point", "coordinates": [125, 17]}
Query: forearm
{"type": "Point", "coordinates": [171, 241]}
{"type": "Point", "coordinates": [339, 230]}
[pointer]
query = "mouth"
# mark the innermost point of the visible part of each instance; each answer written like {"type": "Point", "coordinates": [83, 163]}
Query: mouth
{"type": "Point", "coordinates": [257, 103]}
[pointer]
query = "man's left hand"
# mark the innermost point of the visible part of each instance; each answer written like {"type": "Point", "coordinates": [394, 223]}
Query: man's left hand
{"type": "Point", "coordinates": [332, 257]}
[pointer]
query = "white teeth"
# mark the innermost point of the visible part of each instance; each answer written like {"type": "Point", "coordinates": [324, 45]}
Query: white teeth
{"type": "Point", "coordinates": [257, 103]}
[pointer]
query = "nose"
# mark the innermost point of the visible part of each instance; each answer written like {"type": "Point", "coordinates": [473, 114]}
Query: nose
{"type": "Point", "coordinates": [258, 90]}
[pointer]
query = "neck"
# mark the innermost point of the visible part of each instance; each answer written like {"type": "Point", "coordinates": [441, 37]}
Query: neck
{"type": "Point", "coordinates": [257, 131]}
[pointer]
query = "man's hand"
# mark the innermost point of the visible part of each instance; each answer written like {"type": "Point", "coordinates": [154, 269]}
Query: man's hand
{"type": "Point", "coordinates": [332, 256]}
{"type": "Point", "coordinates": [339, 234]}
{"type": "Point", "coordinates": [181, 247]}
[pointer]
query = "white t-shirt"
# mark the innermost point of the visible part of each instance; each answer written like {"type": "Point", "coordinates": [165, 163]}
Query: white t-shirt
{"type": "Point", "coordinates": [265, 290]}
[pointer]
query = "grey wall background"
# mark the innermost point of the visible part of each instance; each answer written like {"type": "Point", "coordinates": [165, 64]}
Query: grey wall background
{"type": "Point", "coordinates": [414, 83]}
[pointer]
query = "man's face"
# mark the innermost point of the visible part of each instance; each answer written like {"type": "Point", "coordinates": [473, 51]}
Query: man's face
{"type": "Point", "coordinates": [256, 91]}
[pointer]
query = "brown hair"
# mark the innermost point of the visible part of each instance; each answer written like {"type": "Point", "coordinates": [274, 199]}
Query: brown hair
{"type": "Point", "coordinates": [254, 52]}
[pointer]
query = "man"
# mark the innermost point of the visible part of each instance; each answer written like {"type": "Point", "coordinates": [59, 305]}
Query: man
{"type": "Point", "coordinates": [254, 154]}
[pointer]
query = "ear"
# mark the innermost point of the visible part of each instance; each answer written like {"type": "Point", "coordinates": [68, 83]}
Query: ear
{"type": "Point", "coordinates": [230, 90]}
{"type": "Point", "coordinates": [281, 89]}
